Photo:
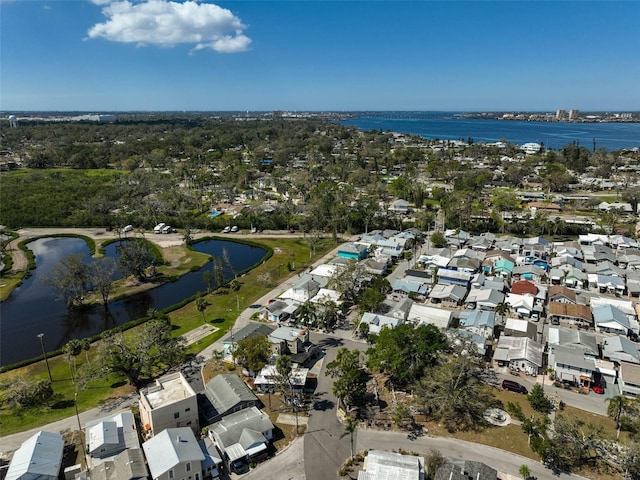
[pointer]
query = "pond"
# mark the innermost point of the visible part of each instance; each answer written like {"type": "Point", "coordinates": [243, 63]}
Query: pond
{"type": "Point", "coordinates": [33, 307]}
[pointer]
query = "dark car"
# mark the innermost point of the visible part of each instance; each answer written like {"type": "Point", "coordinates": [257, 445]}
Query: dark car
{"type": "Point", "coordinates": [514, 387]}
{"type": "Point", "coordinates": [239, 466]}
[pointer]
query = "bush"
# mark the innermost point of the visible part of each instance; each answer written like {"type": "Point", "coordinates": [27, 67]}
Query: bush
{"type": "Point", "coordinates": [515, 410]}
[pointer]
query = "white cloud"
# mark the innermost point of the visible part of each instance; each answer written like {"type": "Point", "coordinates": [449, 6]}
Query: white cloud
{"type": "Point", "coordinates": [166, 23]}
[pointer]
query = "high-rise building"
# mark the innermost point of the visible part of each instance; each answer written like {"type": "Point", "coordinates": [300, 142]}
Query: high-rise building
{"type": "Point", "coordinates": [573, 114]}
{"type": "Point", "coordinates": [561, 114]}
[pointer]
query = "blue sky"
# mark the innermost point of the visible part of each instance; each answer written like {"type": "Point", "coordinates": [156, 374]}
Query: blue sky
{"type": "Point", "coordinates": [107, 55]}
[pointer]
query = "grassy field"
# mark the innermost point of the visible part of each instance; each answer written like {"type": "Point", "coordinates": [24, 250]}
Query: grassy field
{"type": "Point", "coordinates": [221, 312]}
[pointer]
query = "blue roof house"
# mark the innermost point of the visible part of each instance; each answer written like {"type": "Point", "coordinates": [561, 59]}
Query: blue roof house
{"type": "Point", "coordinates": [353, 251]}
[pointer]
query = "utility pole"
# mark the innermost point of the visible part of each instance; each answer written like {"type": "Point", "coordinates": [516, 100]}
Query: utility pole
{"type": "Point", "coordinates": [44, 353]}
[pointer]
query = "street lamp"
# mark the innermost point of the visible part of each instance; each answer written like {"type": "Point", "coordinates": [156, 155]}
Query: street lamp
{"type": "Point", "coordinates": [44, 353]}
{"type": "Point", "coordinates": [82, 440]}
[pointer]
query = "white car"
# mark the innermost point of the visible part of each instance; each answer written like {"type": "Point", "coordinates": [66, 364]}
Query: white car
{"type": "Point", "coordinates": [226, 229]}
{"type": "Point", "coordinates": [128, 228]}
{"type": "Point", "coordinates": [167, 229]}
{"type": "Point", "coordinates": [234, 229]}
{"type": "Point", "coordinates": [158, 228]}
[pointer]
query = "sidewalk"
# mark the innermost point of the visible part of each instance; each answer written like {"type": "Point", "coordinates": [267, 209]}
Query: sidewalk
{"type": "Point", "coordinates": [10, 443]}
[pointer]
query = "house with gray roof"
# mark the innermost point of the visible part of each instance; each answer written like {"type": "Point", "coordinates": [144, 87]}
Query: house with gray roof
{"type": "Point", "coordinates": [212, 461]}
{"type": "Point", "coordinates": [519, 353]}
{"type": "Point", "coordinates": [129, 464]}
{"type": "Point", "coordinates": [279, 310]}
{"type": "Point", "coordinates": [572, 365]}
{"type": "Point", "coordinates": [109, 436]}
{"type": "Point", "coordinates": [484, 298]}
{"type": "Point", "coordinates": [620, 349]}
{"type": "Point", "coordinates": [610, 319]}
{"type": "Point", "coordinates": [174, 453]}
{"type": "Point", "coordinates": [226, 393]}
{"type": "Point", "coordinates": [289, 340]}
{"type": "Point", "coordinates": [379, 464]}
{"type": "Point", "coordinates": [573, 338]}
{"type": "Point", "coordinates": [242, 435]}
{"type": "Point", "coordinates": [480, 322]}
{"type": "Point", "coordinates": [38, 458]}
{"type": "Point", "coordinates": [451, 295]}
{"type": "Point", "coordinates": [405, 286]}
{"type": "Point", "coordinates": [252, 329]}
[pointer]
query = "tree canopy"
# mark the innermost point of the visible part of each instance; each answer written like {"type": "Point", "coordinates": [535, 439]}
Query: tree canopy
{"type": "Point", "coordinates": [404, 352]}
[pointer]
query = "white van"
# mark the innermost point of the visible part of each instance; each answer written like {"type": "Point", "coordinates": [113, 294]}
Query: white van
{"type": "Point", "coordinates": [128, 228]}
{"type": "Point", "coordinates": [158, 228]}
{"type": "Point", "coordinates": [166, 229]}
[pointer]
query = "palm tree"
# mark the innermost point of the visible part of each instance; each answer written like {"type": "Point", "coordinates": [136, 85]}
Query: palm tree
{"type": "Point", "coordinates": [201, 305]}
{"type": "Point", "coordinates": [502, 309]}
{"type": "Point", "coordinates": [308, 314]}
{"type": "Point", "coordinates": [349, 429]}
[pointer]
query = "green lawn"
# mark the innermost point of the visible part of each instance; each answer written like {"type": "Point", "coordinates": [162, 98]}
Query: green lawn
{"type": "Point", "coordinates": [221, 312]}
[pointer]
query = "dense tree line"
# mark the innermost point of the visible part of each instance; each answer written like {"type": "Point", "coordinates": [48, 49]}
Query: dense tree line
{"type": "Point", "coordinates": [144, 169]}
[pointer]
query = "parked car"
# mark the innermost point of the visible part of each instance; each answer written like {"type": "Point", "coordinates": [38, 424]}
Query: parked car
{"type": "Point", "coordinates": [167, 229]}
{"type": "Point", "coordinates": [234, 229]}
{"type": "Point", "coordinates": [514, 387]}
{"type": "Point", "coordinates": [239, 466]}
{"type": "Point", "coordinates": [158, 228]}
{"type": "Point", "coordinates": [598, 389]}
{"type": "Point", "coordinates": [128, 228]}
{"type": "Point", "coordinates": [226, 229]}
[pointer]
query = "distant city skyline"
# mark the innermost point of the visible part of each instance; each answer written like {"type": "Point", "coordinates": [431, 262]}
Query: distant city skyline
{"type": "Point", "coordinates": [160, 55]}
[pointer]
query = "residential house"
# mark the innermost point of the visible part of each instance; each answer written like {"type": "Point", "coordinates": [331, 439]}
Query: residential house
{"type": "Point", "coordinates": [353, 251]}
{"type": "Point", "coordinates": [572, 365]}
{"type": "Point", "coordinates": [519, 353]}
{"type": "Point", "coordinates": [374, 267]}
{"type": "Point", "coordinates": [174, 454]}
{"type": "Point", "coordinates": [225, 394]}
{"type": "Point", "coordinates": [529, 272]}
{"type": "Point", "coordinates": [242, 436]}
{"type": "Point", "coordinates": [422, 314]}
{"type": "Point", "coordinates": [562, 294]}
{"type": "Point", "coordinates": [212, 463]}
{"type": "Point", "coordinates": [575, 339]}
{"type": "Point", "coordinates": [252, 329]}
{"type": "Point", "coordinates": [449, 295]}
{"type": "Point", "coordinates": [503, 268]}
{"type": "Point", "coordinates": [289, 340]}
{"type": "Point", "coordinates": [266, 380]}
{"type": "Point", "coordinates": [567, 313]}
{"type": "Point", "coordinates": [516, 327]}
{"type": "Point", "coordinates": [629, 379]}
{"type": "Point", "coordinates": [379, 464]}
{"type": "Point", "coordinates": [303, 291]}
{"type": "Point", "coordinates": [405, 287]}
{"type": "Point", "coordinates": [400, 207]}
{"type": "Point", "coordinates": [38, 458]}
{"type": "Point", "coordinates": [129, 464]}
{"type": "Point", "coordinates": [468, 471]}
{"type": "Point", "coordinates": [484, 298]}
{"type": "Point", "coordinates": [401, 309]}
{"type": "Point", "coordinates": [479, 322]}
{"type": "Point", "coordinates": [521, 305]}
{"type": "Point", "coordinates": [108, 436]}
{"type": "Point", "coordinates": [620, 349]}
{"type": "Point", "coordinates": [377, 322]}
{"type": "Point", "coordinates": [568, 276]}
{"type": "Point", "coordinates": [524, 287]}
{"type": "Point", "coordinates": [280, 310]}
{"type": "Point", "coordinates": [454, 277]}
{"type": "Point", "coordinates": [170, 403]}
{"type": "Point", "coordinates": [610, 319]}
{"type": "Point", "coordinates": [607, 283]}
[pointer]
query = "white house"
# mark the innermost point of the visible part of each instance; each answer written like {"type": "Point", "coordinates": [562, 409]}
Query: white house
{"type": "Point", "coordinates": [174, 454]}
{"type": "Point", "coordinates": [38, 458]}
